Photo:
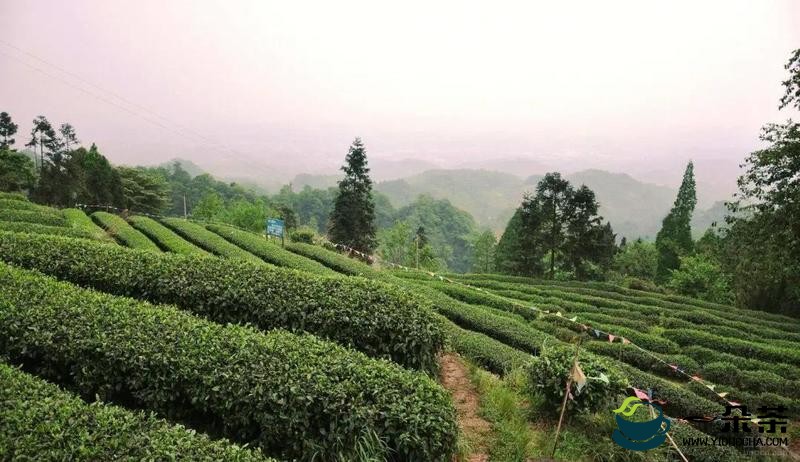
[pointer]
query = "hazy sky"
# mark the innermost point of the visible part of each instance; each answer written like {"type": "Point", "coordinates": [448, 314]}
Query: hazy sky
{"type": "Point", "coordinates": [625, 85]}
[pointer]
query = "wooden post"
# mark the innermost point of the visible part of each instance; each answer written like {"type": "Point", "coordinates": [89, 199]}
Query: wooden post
{"type": "Point", "coordinates": [566, 397]}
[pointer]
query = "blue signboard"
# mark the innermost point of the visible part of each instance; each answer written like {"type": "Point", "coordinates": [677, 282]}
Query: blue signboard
{"type": "Point", "coordinates": [275, 227]}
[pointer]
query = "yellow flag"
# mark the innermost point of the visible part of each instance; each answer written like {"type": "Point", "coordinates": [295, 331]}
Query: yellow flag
{"type": "Point", "coordinates": [578, 377]}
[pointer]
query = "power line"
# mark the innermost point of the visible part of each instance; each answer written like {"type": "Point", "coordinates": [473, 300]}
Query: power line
{"type": "Point", "coordinates": [176, 128]}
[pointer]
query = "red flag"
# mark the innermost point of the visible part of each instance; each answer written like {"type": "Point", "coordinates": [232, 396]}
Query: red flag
{"type": "Point", "coordinates": [641, 394]}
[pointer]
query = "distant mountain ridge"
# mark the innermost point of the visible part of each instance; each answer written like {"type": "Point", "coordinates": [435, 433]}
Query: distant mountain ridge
{"type": "Point", "coordinates": [634, 208]}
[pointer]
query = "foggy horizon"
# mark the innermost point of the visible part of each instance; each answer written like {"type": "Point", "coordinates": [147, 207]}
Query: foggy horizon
{"type": "Point", "coordinates": [253, 89]}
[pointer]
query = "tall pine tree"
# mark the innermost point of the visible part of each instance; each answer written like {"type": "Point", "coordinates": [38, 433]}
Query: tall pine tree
{"type": "Point", "coordinates": [352, 221]}
{"type": "Point", "coordinates": [674, 240]}
{"type": "Point", "coordinates": [555, 196]}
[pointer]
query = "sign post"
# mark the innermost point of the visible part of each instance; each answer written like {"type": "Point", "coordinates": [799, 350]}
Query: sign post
{"type": "Point", "coordinates": [276, 228]}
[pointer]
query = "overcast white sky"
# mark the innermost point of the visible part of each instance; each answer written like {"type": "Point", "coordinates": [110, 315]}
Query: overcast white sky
{"type": "Point", "coordinates": [622, 85]}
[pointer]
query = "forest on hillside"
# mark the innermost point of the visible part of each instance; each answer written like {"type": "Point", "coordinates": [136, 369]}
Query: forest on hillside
{"type": "Point", "coordinates": [556, 232]}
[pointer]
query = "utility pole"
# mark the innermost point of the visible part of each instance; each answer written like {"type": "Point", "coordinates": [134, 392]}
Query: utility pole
{"type": "Point", "coordinates": [416, 241]}
{"type": "Point", "coordinates": [184, 206]}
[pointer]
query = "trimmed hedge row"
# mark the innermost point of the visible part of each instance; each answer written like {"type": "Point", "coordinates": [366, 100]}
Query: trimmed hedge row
{"type": "Point", "coordinates": [38, 421]}
{"type": "Point", "coordinates": [734, 346]}
{"type": "Point", "coordinates": [268, 251]}
{"type": "Point", "coordinates": [474, 297]}
{"type": "Point", "coordinates": [640, 360]}
{"type": "Point", "coordinates": [13, 196]}
{"type": "Point", "coordinates": [208, 241]}
{"type": "Point", "coordinates": [29, 216]}
{"type": "Point", "coordinates": [333, 260]}
{"type": "Point", "coordinates": [295, 396]}
{"type": "Point", "coordinates": [378, 319]}
{"type": "Point", "coordinates": [124, 233]}
{"type": "Point", "coordinates": [33, 228]}
{"type": "Point", "coordinates": [512, 332]}
{"type": "Point", "coordinates": [24, 204]}
{"type": "Point", "coordinates": [78, 220]}
{"type": "Point", "coordinates": [708, 355]}
{"type": "Point", "coordinates": [164, 237]}
{"type": "Point", "coordinates": [485, 351]}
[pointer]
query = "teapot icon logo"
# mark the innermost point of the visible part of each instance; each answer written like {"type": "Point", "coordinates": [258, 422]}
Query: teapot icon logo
{"type": "Point", "coordinates": [639, 436]}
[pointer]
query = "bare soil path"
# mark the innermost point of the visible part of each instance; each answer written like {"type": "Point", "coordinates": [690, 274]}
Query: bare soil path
{"type": "Point", "coordinates": [455, 378]}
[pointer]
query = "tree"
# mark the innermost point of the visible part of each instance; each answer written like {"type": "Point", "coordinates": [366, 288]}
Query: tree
{"type": "Point", "coordinates": [394, 243]}
{"type": "Point", "coordinates": [674, 240]}
{"type": "Point", "coordinates": [16, 171]}
{"type": "Point", "coordinates": [145, 191]}
{"type": "Point", "coordinates": [584, 236]}
{"type": "Point", "coordinates": [638, 259]}
{"type": "Point", "coordinates": [700, 277]}
{"type": "Point", "coordinates": [68, 137]}
{"type": "Point", "coordinates": [448, 230]}
{"type": "Point", "coordinates": [761, 246]}
{"type": "Point", "coordinates": [399, 246]}
{"type": "Point", "coordinates": [353, 217]}
{"type": "Point", "coordinates": [44, 137]}
{"type": "Point", "coordinates": [7, 131]}
{"type": "Point", "coordinates": [520, 250]}
{"type": "Point", "coordinates": [483, 252]}
{"type": "Point", "coordinates": [100, 182]}
{"type": "Point", "coordinates": [208, 207]}
{"type": "Point", "coordinates": [555, 196]}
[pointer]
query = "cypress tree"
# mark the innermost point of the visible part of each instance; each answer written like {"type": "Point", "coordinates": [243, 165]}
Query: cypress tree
{"type": "Point", "coordinates": [675, 237]}
{"type": "Point", "coordinates": [353, 217]}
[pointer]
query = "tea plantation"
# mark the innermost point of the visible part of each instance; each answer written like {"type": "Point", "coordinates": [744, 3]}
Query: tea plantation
{"type": "Point", "coordinates": [159, 338]}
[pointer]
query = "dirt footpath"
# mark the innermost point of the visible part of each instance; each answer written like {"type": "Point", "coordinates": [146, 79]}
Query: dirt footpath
{"type": "Point", "coordinates": [455, 378]}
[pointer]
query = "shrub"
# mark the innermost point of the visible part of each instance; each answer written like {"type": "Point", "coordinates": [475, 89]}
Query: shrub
{"type": "Point", "coordinates": [680, 401]}
{"type": "Point", "coordinates": [547, 378]}
{"type": "Point", "coordinates": [33, 228]}
{"type": "Point", "coordinates": [738, 347]}
{"type": "Point", "coordinates": [268, 251]}
{"type": "Point", "coordinates": [476, 297]}
{"type": "Point", "coordinates": [378, 319]}
{"type": "Point", "coordinates": [164, 237]}
{"type": "Point", "coordinates": [302, 235]}
{"type": "Point", "coordinates": [207, 240]}
{"type": "Point", "coordinates": [53, 218]}
{"type": "Point", "coordinates": [635, 357]}
{"type": "Point", "coordinates": [13, 196]}
{"type": "Point", "coordinates": [23, 204]}
{"type": "Point", "coordinates": [42, 422]}
{"type": "Point", "coordinates": [78, 220]}
{"type": "Point", "coordinates": [707, 355]}
{"type": "Point", "coordinates": [485, 351]}
{"type": "Point", "coordinates": [334, 260]}
{"type": "Point", "coordinates": [512, 332]}
{"type": "Point", "coordinates": [123, 232]}
{"type": "Point", "coordinates": [292, 395]}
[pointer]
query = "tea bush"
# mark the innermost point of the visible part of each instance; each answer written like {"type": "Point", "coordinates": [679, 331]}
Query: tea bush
{"type": "Point", "coordinates": [50, 218]}
{"type": "Point", "coordinates": [13, 196]}
{"type": "Point", "coordinates": [334, 260]}
{"type": "Point", "coordinates": [376, 318]}
{"type": "Point", "coordinates": [33, 228]}
{"type": "Point", "coordinates": [735, 346]}
{"type": "Point", "coordinates": [206, 240]}
{"type": "Point", "coordinates": [294, 396]}
{"type": "Point", "coordinates": [78, 220]}
{"type": "Point", "coordinates": [123, 232]}
{"type": "Point", "coordinates": [38, 421]}
{"type": "Point", "coordinates": [269, 252]}
{"type": "Point", "coordinates": [547, 378]}
{"type": "Point", "coordinates": [164, 237]}
{"type": "Point", "coordinates": [485, 351]}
